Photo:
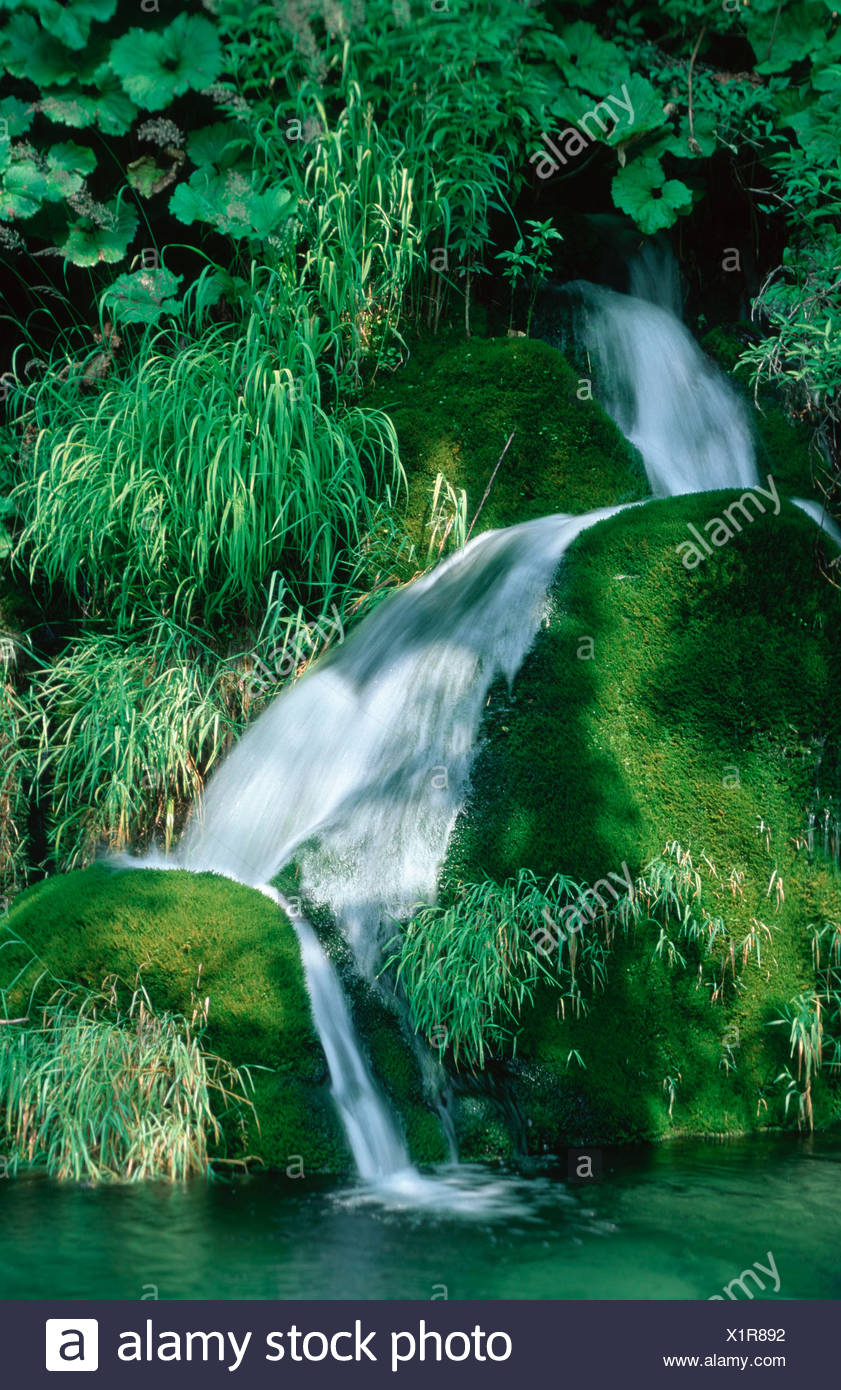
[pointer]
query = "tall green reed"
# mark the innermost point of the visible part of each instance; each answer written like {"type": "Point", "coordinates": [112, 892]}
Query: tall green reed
{"type": "Point", "coordinates": [89, 1090]}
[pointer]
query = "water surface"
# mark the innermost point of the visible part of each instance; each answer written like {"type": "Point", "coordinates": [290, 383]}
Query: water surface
{"type": "Point", "coordinates": [677, 1221]}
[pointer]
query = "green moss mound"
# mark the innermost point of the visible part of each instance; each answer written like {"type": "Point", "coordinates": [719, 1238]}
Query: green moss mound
{"type": "Point", "coordinates": [454, 409]}
{"type": "Point", "coordinates": [195, 936]}
{"type": "Point", "coordinates": [659, 704]}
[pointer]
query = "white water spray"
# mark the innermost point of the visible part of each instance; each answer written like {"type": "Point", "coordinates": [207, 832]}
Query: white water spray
{"type": "Point", "coordinates": [665, 395]}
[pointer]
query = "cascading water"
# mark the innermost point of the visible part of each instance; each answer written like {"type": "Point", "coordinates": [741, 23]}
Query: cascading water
{"type": "Point", "coordinates": [658, 387]}
{"type": "Point", "coordinates": [665, 395]}
{"type": "Point", "coordinates": [377, 1148]}
{"type": "Point", "coordinates": [358, 771]}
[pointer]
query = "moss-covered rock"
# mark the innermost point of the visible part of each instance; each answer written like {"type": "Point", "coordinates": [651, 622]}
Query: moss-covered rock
{"type": "Point", "coordinates": [483, 1132]}
{"type": "Point", "coordinates": [454, 408]}
{"type": "Point", "coordinates": [193, 937]}
{"type": "Point", "coordinates": [662, 703]}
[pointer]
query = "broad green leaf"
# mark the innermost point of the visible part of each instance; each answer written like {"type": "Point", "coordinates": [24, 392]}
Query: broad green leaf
{"type": "Point", "coordinates": [143, 297]}
{"type": "Point", "coordinates": [781, 39]}
{"type": "Point", "coordinates": [108, 108]}
{"type": "Point", "coordinates": [704, 128]}
{"type": "Point", "coordinates": [828, 79]}
{"type": "Point", "coordinates": [15, 117]}
{"type": "Point", "coordinates": [218, 144]}
{"type": "Point", "coordinates": [27, 51]}
{"type": "Point", "coordinates": [73, 158]}
{"type": "Point", "coordinates": [594, 65]}
{"type": "Point", "coordinates": [22, 190]}
{"type": "Point", "coordinates": [269, 209]}
{"type": "Point", "coordinates": [229, 202]}
{"type": "Point", "coordinates": [642, 190]}
{"type": "Point", "coordinates": [154, 68]}
{"type": "Point", "coordinates": [88, 244]}
{"type": "Point", "coordinates": [67, 167]}
{"type": "Point", "coordinates": [817, 129]}
{"type": "Point", "coordinates": [646, 108]}
{"type": "Point", "coordinates": [71, 23]}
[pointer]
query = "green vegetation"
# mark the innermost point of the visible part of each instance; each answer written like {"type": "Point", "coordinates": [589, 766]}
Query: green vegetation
{"type": "Point", "coordinates": [191, 939]}
{"type": "Point", "coordinates": [256, 256]}
{"type": "Point", "coordinates": [469, 968]}
{"type": "Point", "coordinates": [109, 1098]}
{"type": "Point", "coordinates": [455, 406]}
{"type": "Point", "coordinates": [137, 503]}
{"type": "Point", "coordinates": [707, 702]}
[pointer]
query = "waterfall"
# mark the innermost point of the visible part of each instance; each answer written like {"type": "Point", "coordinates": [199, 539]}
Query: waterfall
{"type": "Point", "coordinates": [653, 275]}
{"type": "Point", "coordinates": [665, 395]}
{"type": "Point", "coordinates": [358, 770]}
{"type": "Point", "coordinates": [377, 1148]}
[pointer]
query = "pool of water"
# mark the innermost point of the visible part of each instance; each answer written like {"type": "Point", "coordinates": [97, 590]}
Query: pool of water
{"type": "Point", "coordinates": [677, 1221]}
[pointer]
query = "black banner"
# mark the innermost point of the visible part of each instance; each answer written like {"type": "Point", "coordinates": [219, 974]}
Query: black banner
{"type": "Point", "coordinates": [212, 1344]}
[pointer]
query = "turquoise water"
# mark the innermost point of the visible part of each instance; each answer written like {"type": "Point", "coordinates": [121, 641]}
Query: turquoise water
{"type": "Point", "coordinates": [677, 1221]}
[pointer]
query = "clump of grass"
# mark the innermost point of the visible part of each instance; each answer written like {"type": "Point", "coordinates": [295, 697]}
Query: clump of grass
{"type": "Point", "coordinates": [209, 463]}
{"type": "Point", "coordinates": [447, 523]}
{"type": "Point", "coordinates": [469, 967]}
{"type": "Point", "coordinates": [813, 1021]}
{"type": "Point", "coordinates": [90, 1091]}
{"type": "Point", "coordinates": [122, 737]}
{"type": "Point", "coordinates": [13, 801]}
{"type": "Point", "coordinates": [668, 894]}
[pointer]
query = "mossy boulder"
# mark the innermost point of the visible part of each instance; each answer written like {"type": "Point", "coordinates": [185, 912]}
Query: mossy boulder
{"type": "Point", "coordinates": [661, 704]}
{"type": "Point", "coordinates": [192, 937]}
{"type": "Point", "coordinates": [454, 407]}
